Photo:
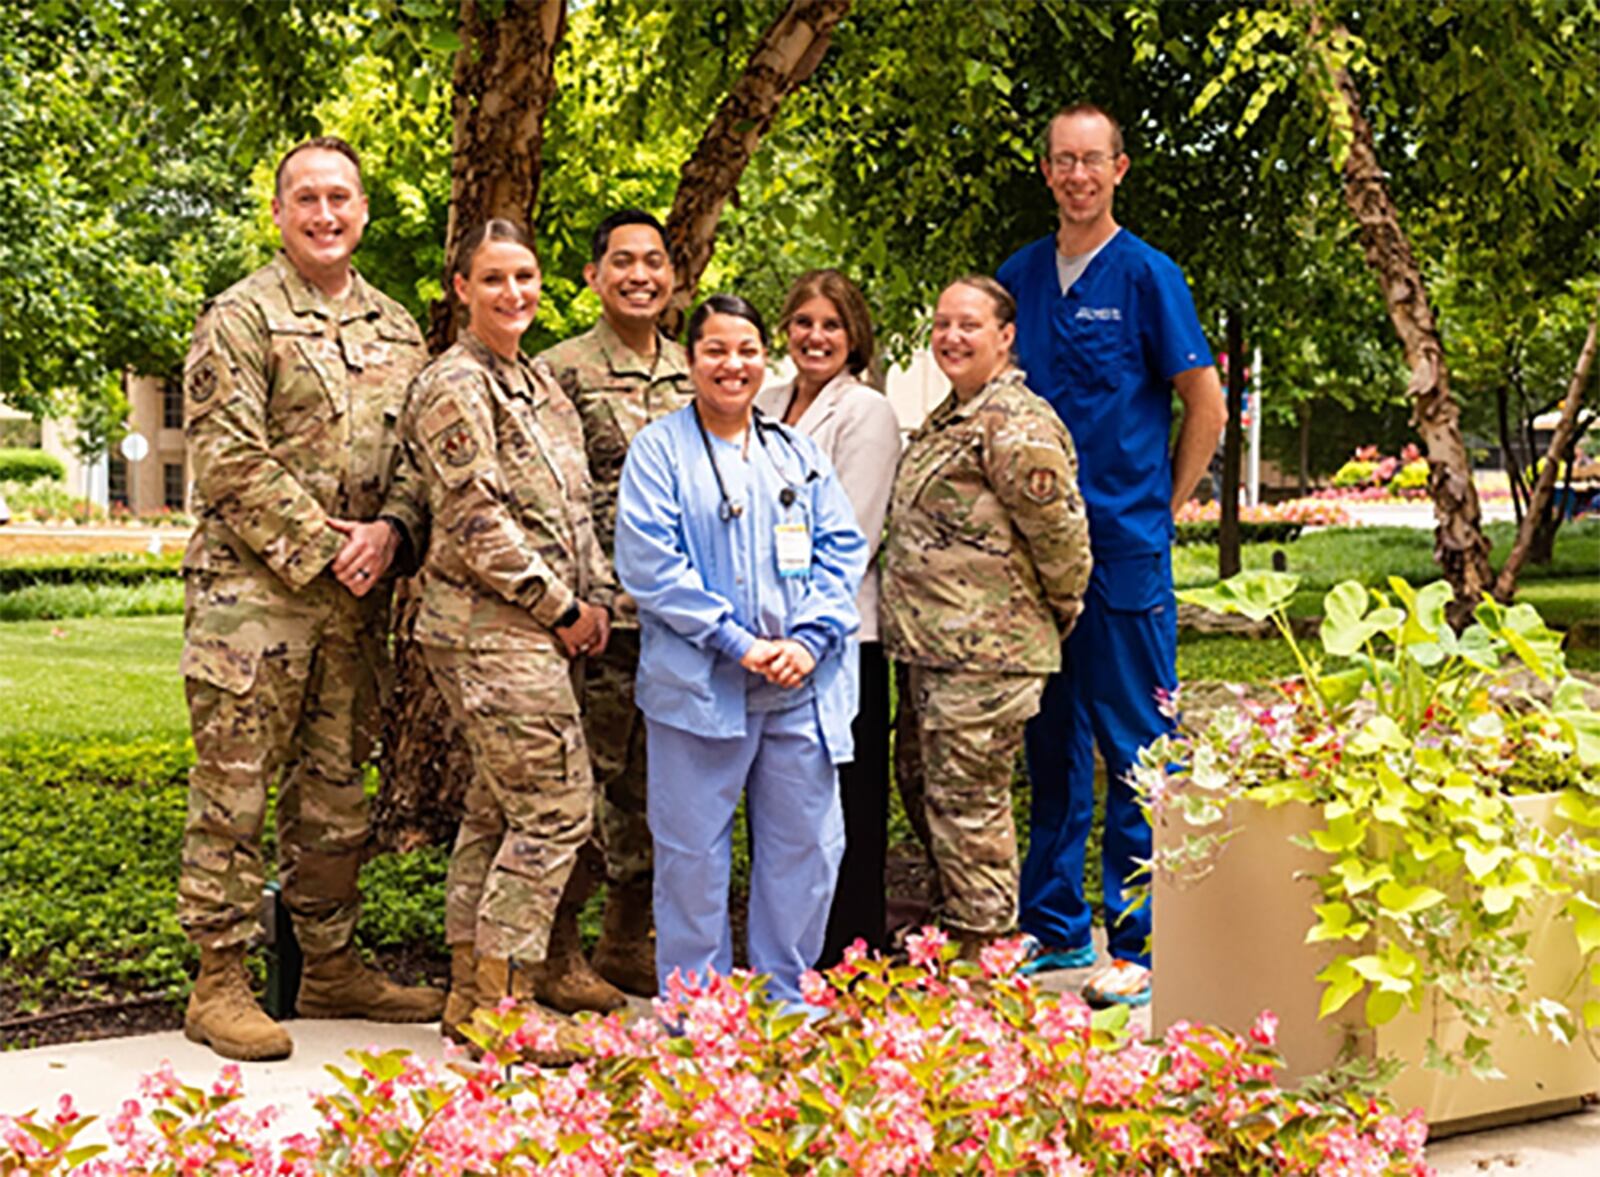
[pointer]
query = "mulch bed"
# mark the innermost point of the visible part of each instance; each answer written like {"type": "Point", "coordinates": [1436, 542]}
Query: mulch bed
{"type": "Point", "coordinates": [119, 1015]}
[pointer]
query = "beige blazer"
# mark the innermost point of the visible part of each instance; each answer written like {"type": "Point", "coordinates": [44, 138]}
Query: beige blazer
{"type": "Point", "coordinates": [854, 425]}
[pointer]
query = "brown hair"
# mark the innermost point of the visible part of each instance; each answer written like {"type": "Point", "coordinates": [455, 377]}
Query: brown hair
{"type": "Point", "coordinates": [1005, 307]}
{"type": "Point", "coordinates": [494, 229]}
{"type": "Point", "coordinates": [1076, 108]}
{"type": "Point", "coordinates": [320, 143]}
{"type": "Point", "coordinates": [852, 306]}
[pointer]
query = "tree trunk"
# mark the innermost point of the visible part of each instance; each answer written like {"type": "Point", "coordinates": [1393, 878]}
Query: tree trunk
{"type": "Point", "coordinates": [1508, 451]}
{"type": "Point", "coordinates": [1228, 555]}
{"type": "Point", "coordinates": [504, 82]}
{"type": "Point", "coordinates": [1305, 448]}
{"type": "Point", "coordinates": [1564, 442]}
{"type": "Point", "coordinates": [785, 57]}
{"type": "Point", "coordinates": [1460, 547]}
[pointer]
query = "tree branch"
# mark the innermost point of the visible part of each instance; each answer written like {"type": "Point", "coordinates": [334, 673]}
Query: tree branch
{"type": "Point", "coordinates": [787, 54]}
{"type": "Point", "coordinates": [1505, 585]}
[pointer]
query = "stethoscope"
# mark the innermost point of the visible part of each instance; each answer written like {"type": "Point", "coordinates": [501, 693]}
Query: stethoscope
{"type": "Point", "coordinates": [727, 509]}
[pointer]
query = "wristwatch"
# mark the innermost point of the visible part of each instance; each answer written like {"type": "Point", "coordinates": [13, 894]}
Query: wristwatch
{"type": "Point", "coordinates": [569, 618]}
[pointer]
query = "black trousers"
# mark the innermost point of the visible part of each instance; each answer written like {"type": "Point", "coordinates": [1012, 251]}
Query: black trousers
{"type": "Point", "coordinates": [858, 902]}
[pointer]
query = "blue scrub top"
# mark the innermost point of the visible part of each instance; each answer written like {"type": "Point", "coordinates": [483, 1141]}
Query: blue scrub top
{"type": "Point", "coordinates": [1104, 355]}
{"type": "Point", "coordinates": [708, 587]}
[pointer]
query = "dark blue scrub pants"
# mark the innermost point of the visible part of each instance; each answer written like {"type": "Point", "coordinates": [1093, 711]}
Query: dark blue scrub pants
{"type": "Point", "coordinates": [1124, 647]}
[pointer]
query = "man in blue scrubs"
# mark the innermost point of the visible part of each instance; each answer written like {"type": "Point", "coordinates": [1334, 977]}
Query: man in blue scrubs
{"type": "Point", "coordinates": [1107, 331]}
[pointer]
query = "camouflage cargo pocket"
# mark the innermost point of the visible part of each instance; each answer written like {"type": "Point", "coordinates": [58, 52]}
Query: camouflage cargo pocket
{"type": "Point", "coordinates": [224, 665]}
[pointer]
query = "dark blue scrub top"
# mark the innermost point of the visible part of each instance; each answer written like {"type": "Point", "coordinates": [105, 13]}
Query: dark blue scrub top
{"type": "Point", "coordinates": [1104, 355]}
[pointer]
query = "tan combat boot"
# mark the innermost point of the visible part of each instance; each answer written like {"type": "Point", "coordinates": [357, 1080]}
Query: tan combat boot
{"type": "Point", "coordinates": [223, 1013]}
{"type": "Point", "coordinates": [463, 996]}
{"type": "Point", "coordinates": [339, 985]}
{"type": "Point", "coordinates": [497, 979]}
{"type": "Point", "coordinates": [564, 980]}
{"type": "Point", "coordinates": [626, 954]}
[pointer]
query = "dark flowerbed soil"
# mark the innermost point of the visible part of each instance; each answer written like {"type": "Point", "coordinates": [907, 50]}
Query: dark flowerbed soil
{"type": "Point", "coordinates": [124, 1014]}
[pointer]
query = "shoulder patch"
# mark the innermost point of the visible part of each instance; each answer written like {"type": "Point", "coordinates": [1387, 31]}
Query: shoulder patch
{"type": "Point", "coordinates": [203, 380]}
{"type": "Point", "coordinates": [1042, 485]}
{"type": "Point", "coordinates": [457, 446]}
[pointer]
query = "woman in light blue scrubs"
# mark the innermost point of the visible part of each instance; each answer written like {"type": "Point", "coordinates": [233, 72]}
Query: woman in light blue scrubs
{"type": "Point", "coordinates": [742, 553]}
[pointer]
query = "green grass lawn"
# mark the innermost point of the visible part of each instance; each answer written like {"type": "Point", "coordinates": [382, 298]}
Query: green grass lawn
{"type": "Point", "coordinates": [92, 678]}
{"type": "Point", "coordinates": [1372, 554]}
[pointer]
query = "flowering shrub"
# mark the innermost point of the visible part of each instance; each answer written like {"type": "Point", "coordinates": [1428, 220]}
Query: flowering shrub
{"type": "Point", "coordinates": [1369, 474]}
{"type": "Point", "coordinates": [1308, 512]}
{"type": "Point", "coordinates": [1409, 741]}
{"type": "Point", "coordinates": [926, 1067]}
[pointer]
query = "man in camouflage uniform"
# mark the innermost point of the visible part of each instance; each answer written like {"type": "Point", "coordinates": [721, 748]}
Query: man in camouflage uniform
{"type": "Point", "coordinates": [986, 558]}
{"type": "Point", "coordinates": [622, 374]}
{"type": "Point", "coordinates": [505, 598]}
{"type": "Point", "coordinates": [294, 384]}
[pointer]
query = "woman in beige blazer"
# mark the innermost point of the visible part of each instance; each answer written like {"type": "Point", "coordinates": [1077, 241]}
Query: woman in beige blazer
{"type": "Point", "coordinates": [830, 341]}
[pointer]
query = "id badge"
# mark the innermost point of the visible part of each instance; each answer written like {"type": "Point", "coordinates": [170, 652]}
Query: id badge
{"type": "Point", "coordinates": [793, 542]}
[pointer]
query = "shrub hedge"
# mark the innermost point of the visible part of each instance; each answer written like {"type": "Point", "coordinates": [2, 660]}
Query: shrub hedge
{"type": "Point", "coordinates": [28, 466]}
{"type": "Point", "coordinates": [1276, 532]}
{"type": "Point", "coordinates": [98, 568]}
{"type": "Point", "coordinates": [89, 856]}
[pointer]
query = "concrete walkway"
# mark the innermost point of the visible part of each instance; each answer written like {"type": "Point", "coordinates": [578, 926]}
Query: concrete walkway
{"type": "Point", "coordinates": [100, 1075]}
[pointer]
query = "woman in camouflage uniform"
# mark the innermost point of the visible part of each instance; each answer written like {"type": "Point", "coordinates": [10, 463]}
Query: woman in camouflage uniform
{"type": "Point", "coordinates": [503, 607]}
{"type": "Point", "coordinates": [985, 563]}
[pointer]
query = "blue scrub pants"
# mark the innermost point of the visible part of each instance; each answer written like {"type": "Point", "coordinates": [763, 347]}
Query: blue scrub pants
{"type": "Point", "coordinates": [1123, 648]}
{"type": "Point", "coordinates": [796, 834]}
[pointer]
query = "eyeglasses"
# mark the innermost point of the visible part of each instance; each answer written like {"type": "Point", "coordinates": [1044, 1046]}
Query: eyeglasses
{"type": "Point", "coordinates": [1093, 161]}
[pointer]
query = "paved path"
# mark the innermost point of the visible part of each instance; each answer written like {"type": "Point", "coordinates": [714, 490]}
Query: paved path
{"type": "Point", "coordinates": [36, 539]}
{"type": "Point", "coordinates": [1414, 513]}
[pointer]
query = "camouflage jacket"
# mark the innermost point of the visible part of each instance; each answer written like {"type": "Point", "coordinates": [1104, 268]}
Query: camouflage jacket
{"type": "Point", "coordinates": [986, 555]}
{"type": "Point", "coordinates": [292, 402]}
{"type": "Point", "coordinates": [618, 393]}
{"type": "Point", "coordinates": [500, 448]}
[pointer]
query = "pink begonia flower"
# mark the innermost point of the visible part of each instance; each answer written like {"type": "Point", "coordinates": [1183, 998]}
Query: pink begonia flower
{"type": "Point", "coordinates": [1188, 1144]}
{"type": "Point", "coordinates": [1066, 1018]}
{"type": "Point", "coordinates": [923, 948]}
{"type": "Point", "coordinates": [1265, 1030]}
{"type": "Point", "coordinates": [1002, 958]}
{"type": "Point", "coordinates": [815, 990]}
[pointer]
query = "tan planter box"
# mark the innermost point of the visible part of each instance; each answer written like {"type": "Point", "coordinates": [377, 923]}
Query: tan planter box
{"type": "Point", "coordinates": [1233, 943]}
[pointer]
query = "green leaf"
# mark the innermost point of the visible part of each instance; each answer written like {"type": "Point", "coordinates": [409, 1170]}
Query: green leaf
{"type": "Point", "coordinates": [1404, 900]}
{"type": "Point", "coordinates": [1256, 595]}
{"type": "Point", "coordinates": [1334, 923]}
{"type": "Point", "coordinates": [1378, 733]}
{"type": "Point", "coordinates": [1480, 859]}
{"type": "Point", "coordinates": [1572, 807]}
{"type": "Point", "coordinates": [1382, 1005]}
{"type": "Point", "coordinates": [1585, 915]}
{"type": "Point", "coordinates": [1342, 983]}
{"type": "Point", "coordinates": [1344, 626]}
{"type": "Point", "coordinates": [1343, 687]}
{"type": "Point", "coordinates": [1359, 876]}
{"type": "Point", "coordinates": [443, 41]}
{"type": "Point", "coordinates": [1342, 834]}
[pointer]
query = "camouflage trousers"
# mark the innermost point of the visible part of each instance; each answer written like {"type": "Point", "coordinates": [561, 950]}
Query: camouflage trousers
{"type": "Point", "coordinates": [617, 747]}
{"type": "Point", "coordinates": [969, 726]}
{"type": "Point", "coordinates": [276, 687]}
{"type": "Point", "coordinates": [529, 810]}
